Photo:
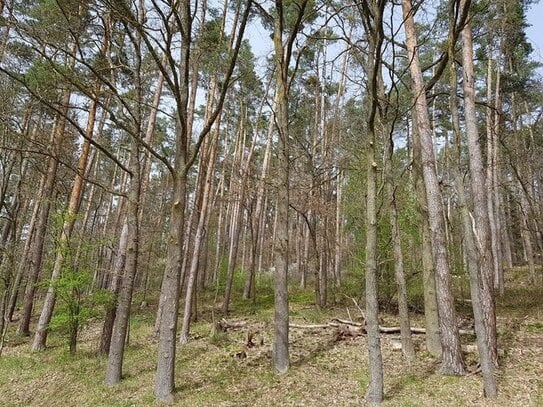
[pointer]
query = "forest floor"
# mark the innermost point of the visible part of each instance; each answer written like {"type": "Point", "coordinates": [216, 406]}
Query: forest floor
{"type": "Point", "coordinates": [217, 370]}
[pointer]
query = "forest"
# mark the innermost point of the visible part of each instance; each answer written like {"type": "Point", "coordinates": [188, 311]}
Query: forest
{"type": "Point", "coordinates": [270, 203]}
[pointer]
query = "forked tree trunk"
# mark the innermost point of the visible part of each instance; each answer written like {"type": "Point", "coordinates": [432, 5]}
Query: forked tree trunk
{"type": "Point", "coordinates": [183, 161]}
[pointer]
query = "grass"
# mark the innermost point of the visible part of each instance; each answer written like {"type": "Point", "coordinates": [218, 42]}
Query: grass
{"type": "Point", "coordinates": [323, 371]}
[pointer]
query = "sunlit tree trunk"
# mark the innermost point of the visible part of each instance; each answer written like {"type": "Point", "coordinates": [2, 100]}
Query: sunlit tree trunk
{"type": "Point", "coordinates": [38, 236]}
{"type": "Point", "coordinates": [372, 18]}
{"type": "Point", "coordinates": [258, 217]}
{"type": "Point", "coordinates": [471, 252]}
{"type": "Point", "coordinates": [479, 191]}
{"type": "Point", "coordinates": [451, 357]}
{"type": "Point", "coordinates": [399, 273]}
{"type": "Point", "coordinates": [122, 312]}
{"type": "Point", "coordinates": [283, 51]}
{"type": "Point", "coordinates": [40, 336]}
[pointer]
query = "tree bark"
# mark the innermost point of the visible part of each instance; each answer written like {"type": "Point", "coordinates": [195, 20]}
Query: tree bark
{"type": "Point", "coordinates": [399, 273]}
{"type": "Point", "coordinates": [473, 261]}
{"type": "Point", "coordinates": [372, 17]}
{"type": "Point", "coordinates": [40, 336]}
{"type": "Point", "coordinates": [36, 252]}
{"type": "Point", "coordinates": [283, 53]}
{"type": "Point", "coordinates": [117, 274]}
{"type": "Point", "coordinates": [479, 192]}
{"type": "Point", "coordinates": [122, 313]}
{"type": "Point", "coordinates": [451, 358]}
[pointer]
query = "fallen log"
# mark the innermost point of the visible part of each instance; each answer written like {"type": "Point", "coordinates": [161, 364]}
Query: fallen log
{"type": "Point", "coordinates": [314, 326]}
{"type": "Point", "coordinates": [225, 325]}
{"type": "Point", "coordinates": [336, 322]}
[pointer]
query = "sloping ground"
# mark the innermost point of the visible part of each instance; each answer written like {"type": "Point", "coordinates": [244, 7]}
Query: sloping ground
{"type": "Point", "coordinates": [219, 371]}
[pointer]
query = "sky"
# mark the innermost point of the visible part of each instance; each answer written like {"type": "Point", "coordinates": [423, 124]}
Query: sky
{"type": "Point", "coordinates": [535, 32]}
{"type": "Point", "coordinates": [263, 46]}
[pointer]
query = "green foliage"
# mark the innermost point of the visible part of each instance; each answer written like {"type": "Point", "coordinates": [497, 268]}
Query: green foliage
{"type": "Point", "coordinates": [291, 10]}
{"type": "Point", "coordinates": [536, 327]}
{"type": "Point", "coordinates": [219, 339]}
{"type": "Point", "coordinates": [212, 45]}
{"type": "Point", "coordinates": [42, 80]}
{"type": "Point", "coordinates": [76, 307]}
{"type": "Point", "coordinates": [353, 284]}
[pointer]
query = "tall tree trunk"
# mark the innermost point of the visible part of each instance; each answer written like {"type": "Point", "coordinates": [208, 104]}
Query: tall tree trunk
{"type": "Point", "coordinates": [473, 263]}
{"type": "Point", "coordinates": [399, 273]}
{"type": "Point", "coordinates": [237, 201]}
{"type": "Point", "coordinates": [170, 290]}
{"type": "Point", "coordinates": [491, 175]}
{"type": "Point", "coordinates": [198, 239]}
{"type": "Point", "coordinates": [24, 263]}
{"type": "Point", "coordinates": [36, 253]}
{"type": "Point", "coordinates": [281, 332]}
{"type": "Point", "coordinates": [372, 17]}
{"type": "Point", "coordinates": [183, 161]}
{"type": "Point", "coordinates": [283, 53]}
{"type": "Point", "coordinates": [452, 361]}
{"type": "Point", "coordinates": [114, 288]}
{"type": "Point", "coordinates": [257, 220]}
{"type": "Point", "coordinates": [40, 336]}
{"type": "Point", "coordinates": [122, 313]}
{"type": "Point", "coordinates": [479, 191]}
{"type": "Point", "coordinates": [431, 317]}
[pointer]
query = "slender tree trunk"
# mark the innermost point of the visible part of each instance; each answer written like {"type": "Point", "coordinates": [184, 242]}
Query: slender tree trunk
{"type": "Point", "coordinates": [220, 227]}
{"type": "Point", "coordinates": [452, 361]}
{"type": "Point", "coordinates": [473, 263]}
{"type": "Point", "coordinates": [491, 169]}
{"type": "Point", "coordinates": [198, 241]}
{"type": "Point", "coordinates": [42, 216]}
{"type": "Point", "coordinates": [117, 275]}
{"type": "Point", "coordinates": [122, 313]}
{"type": "Point", "coordinates": [372, 17]}
{"type": "Point", "coordinates": [236, 217]}
{"type": "Point", "coordinates": [24, 263]}
{"type": "Point", "coordinates": [282, 61]}
{"type": "Point", "coordinates": [257, 219]}
{"type": "Point", "coordinates": [375, 389]}
{"type": "Point", "coordinates": [526, 234]}
{"type": "Point", "coordinates": [399, 274]}
{"type": "Point", "coordinates": [433, 336]}
{"type": "Point", "coordinates": [40, 336]}
{"type": "Point", "coordinates": [479, 192]}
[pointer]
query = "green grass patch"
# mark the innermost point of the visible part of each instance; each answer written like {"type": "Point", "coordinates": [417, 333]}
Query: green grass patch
{"type": "Point", "coordinates": [535, 328]}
